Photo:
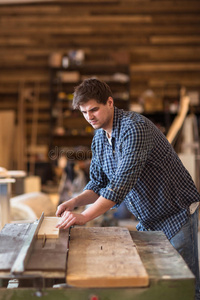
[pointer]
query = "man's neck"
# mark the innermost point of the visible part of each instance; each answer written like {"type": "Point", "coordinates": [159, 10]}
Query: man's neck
{"type": "Point", "coordinates": [109, 129]}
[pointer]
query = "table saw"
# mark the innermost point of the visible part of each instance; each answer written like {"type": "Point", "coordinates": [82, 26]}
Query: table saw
{"type": "Point", "coordinates": [32, 268]}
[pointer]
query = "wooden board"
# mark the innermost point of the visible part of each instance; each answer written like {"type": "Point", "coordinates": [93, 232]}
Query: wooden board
{"type": "Point", "coordinates": [49, 258]}
{"type": "Point", "coordinates": [104, 257]}
{"type": "Point", "coordinates": [179, 119]}
{"type": "Point", "coordinates": [48, 228]}
{"type": "Point", "coordinates": [52, 257]}
{"type": "Point", "coordinates": [160, 258]}
{"type": "Point", "coordinates": [7, 130]}
{"type": "Point", "coordinates": [12, 237]}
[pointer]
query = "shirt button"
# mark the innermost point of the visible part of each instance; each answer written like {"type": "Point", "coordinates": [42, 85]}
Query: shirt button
{"type": "Point", "coordinates": [149, 229]}
{"type": "Point", "coordinates": [138, 218]}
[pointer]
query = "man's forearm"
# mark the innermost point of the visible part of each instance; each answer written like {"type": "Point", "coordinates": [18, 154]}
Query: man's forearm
{"type": "Point", "coordinates": [86, 197]}
{"type": "Point", "coordinates": [99, 207]}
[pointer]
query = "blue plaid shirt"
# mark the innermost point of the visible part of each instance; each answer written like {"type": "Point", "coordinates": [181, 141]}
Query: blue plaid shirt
{"type": "Point", "coordinates": [142, 169]}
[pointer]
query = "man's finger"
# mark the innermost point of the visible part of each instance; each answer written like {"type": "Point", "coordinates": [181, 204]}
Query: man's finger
{"type": "Point", "coordinates": [65, 219]}
{"type": "Point", "coordinates": [70, 223]}
{"type": "Point", "coordinates": [60, 211]}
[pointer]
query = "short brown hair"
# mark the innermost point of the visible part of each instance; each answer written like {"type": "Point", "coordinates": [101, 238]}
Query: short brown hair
{"type": "Point", "coordinates": [91, 89]}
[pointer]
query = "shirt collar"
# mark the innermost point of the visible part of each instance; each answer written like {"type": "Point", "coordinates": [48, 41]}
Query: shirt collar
{"type": "Point", "coordinates": [116, 121]}
{"type": "Point", "coordinates": [115, 127]}
{"type": "Point", "coordinates": [109, 139]}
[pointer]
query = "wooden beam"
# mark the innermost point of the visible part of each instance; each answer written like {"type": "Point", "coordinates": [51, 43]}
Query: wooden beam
{"type": "Point", "coordinates": [22, 1]}
{"type": "Point", "coordinates": [169, 67]}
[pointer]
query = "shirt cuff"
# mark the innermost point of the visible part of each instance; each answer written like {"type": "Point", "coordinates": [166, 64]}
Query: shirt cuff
{"type": "Point", "coordinates": [109, 194]}
{"type": "Point", "coordinates": [92, 186]}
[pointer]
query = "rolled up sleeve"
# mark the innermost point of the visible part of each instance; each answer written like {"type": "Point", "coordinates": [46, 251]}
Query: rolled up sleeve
{"type": "Point", "coordinates": [98, 178]}
{"type": "Point", "coordinates": [134, 151]}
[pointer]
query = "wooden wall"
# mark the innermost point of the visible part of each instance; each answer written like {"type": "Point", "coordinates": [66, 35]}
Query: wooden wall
{"type": "Point", "coordinates": [161, 37]}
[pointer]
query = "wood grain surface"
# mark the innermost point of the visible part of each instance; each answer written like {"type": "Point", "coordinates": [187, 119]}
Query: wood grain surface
{"type": "Point", "coordinates": [104, 257]}
{"type": "Point", "coordinates": [12, 237]}
{"type": "Point", "coordinates": [48, 228]}
{"type": "Point", "coordinates": [50, 257]}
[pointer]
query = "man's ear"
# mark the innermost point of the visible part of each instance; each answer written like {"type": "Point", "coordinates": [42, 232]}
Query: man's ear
{"type": "Point", "coordinates": [110, 102]}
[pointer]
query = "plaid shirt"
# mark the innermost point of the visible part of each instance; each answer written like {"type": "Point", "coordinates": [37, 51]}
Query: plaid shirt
{"type": "Point", "coordinates": [142, 169]}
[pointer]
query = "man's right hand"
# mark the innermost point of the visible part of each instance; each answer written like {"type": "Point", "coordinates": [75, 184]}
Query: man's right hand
{"type": "Point", "coordinates": [67, 205]}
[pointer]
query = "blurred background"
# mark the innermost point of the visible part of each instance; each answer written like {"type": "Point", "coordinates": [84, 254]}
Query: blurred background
{"type": "Point", "coordinates": [147, 51]}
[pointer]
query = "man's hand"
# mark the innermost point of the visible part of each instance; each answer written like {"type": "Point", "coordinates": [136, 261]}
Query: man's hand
{"type": "Point", "coordinates": [69, 218]}
{"type": "Point", "coordinates": [66, 206]}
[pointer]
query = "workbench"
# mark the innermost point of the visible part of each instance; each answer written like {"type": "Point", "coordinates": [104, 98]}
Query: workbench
{"type": "Point", "coordinates": [169, 277]}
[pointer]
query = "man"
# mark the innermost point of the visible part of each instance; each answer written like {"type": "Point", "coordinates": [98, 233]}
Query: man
{"type": "Point", "coordinates": [133, 162]}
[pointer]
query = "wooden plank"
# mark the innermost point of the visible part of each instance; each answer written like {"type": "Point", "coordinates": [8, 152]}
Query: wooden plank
{"type": "Point", "coordinates": [167, 77]}
{"type": "Point", "coordinates": [51, 257]}
{"type": "Point", "coordinates": [160, 53]}
{"type": "Point", "coordinates": [183, 18]}
{"type": "Point", "coordinates": [83, 19]}
{"type": "Point", "coordinates": [12, 237]}
{"type": "Point", "coordinates": [104, 257]}
{"type": "Point", "coordinates": [175, 39]}
{"type": "Point", "coordinates": [153, 7]}
{"type": "Point", "coordinates": [54, 25]}
{"type": "Point", "coordinates": [24, 76]}
{"type": "Point", "coordinates": [6, 138]}
{"type": "Point", "coordinates": [167, 264]}
{"type": "Point", "coordinates": [157, 32]}
{"type": "Point", "coordinates": [30, 9]}
{"type": "Point", "coordinates": [48, 228]}
{"type": "Point", "coordinates": [179, 119]}
{"type": "Point", "coordinates": [165, 67]}
{"type": "Point", "coordinates": [160, 82]}
{"type": "Point", "coordinates": [123, 7]}
{"type": "Point", "coordinates": [22, 1]}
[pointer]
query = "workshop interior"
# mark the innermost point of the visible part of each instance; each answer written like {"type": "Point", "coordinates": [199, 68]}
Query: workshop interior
{"type": "Point", "coordinates": [148, 51]}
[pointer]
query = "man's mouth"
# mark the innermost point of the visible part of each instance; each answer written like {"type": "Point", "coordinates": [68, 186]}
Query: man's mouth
{"type": "Point", "coordinates": [93, 122]}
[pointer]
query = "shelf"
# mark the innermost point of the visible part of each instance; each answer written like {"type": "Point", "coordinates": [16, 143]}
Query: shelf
{"type": "Point", "coordinates": [100, 68]}
{"type": "Point", "coordinates": [157, 113]}
{"type": "Point", "coordinates": [69, 140]}
{"type": "Point", "coordinates": [72, 135]}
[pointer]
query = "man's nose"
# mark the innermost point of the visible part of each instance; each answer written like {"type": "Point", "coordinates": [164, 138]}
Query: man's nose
{"type": "Point", "coordinates": [90, 115]}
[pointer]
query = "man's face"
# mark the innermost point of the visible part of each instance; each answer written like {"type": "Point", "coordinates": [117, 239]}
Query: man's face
{"type": "Point", "coordinates": [97, 114]}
